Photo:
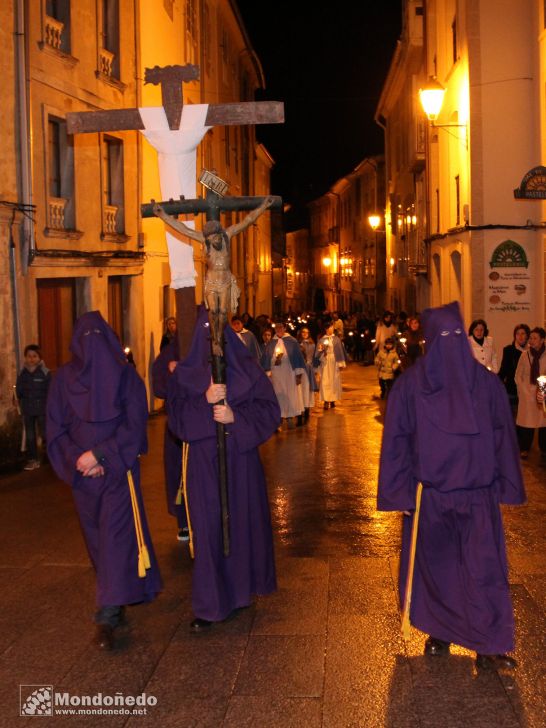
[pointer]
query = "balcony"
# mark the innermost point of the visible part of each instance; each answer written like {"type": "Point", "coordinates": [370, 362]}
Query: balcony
{"type": "Point", "coordinates": [53, 36]}
{"type": "Point", "coordinates": [110, 220]}
{"type": "Point", "coordinates": [56, 207]}
{"type": "Point", "coordinates": [106, 62]}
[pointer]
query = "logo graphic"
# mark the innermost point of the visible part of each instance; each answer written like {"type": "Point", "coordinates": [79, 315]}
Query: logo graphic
{"type": "Point", "coordinates": [36, 699]}
{"type": "Point", "coordinates": [509, 255]}
{"type": "Point", "coordinates": [45, 700]}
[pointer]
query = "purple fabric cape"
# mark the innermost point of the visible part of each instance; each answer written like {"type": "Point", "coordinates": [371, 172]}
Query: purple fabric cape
{"type": "Point", "coordinates": [449, 425]}
{"type": "Point", "coordinates": [172, 445]}
{"type": "Point", "coordinates": [103, 504]}
{"type": "Point", "coordinates": [222, 584]}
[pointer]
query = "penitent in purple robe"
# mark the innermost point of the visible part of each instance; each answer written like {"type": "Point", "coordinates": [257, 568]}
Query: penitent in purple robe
{"type": "Point", "coordinates": [98, 402]}
{"type": "Point", "coordinates": [448, 425]}
{"type": "Point", "coordinates": [172, 446]}
{"type": "Point", "coordinates": [223, 584]}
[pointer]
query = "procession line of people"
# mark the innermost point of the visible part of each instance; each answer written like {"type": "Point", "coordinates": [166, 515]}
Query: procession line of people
{"type": "Point", "coordinates": [449, 456]}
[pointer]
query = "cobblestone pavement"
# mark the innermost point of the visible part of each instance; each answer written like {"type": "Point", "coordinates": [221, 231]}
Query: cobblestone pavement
{"type": "Point", "coordinates": [325, 650]}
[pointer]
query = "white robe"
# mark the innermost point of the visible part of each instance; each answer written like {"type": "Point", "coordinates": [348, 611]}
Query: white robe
{"type": "Point", "coordinates": [283, 378]}
{"type": "Point", "coordinates": [330, 377]}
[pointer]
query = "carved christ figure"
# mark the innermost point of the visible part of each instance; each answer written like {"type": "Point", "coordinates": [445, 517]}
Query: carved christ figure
{"type": "Point", "coordinates": [221, 289]}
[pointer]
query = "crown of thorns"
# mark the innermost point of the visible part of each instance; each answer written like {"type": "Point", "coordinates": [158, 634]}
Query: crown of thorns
{"type": "Point", "coordinates": [211, 227]}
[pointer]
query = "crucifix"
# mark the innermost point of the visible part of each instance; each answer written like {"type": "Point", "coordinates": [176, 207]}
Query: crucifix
{"type": "Point", "coordinates": [175, 130]}
{"type": "Point", "coordinates": [221, 290]}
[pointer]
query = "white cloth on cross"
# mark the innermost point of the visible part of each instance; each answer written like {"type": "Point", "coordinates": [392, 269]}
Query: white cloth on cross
{"type": "Point", "coordinates": [177, 158]}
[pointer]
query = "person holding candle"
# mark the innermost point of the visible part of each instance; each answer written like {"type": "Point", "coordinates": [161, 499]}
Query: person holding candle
{"type": "Point", "coordinates": [307, 346]}
{"type": "Point", "coordinates": [283, 361]}
{"type": "Point", "coordinates": [330, 359]}
{"type": "Point", "coordinates": [531, 414]}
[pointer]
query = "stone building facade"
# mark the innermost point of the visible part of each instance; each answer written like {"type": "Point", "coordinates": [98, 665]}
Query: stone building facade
{"type": "Point", "coordinates": [70, 226]}
{"type": "Point", "coordinates": [455, 230]}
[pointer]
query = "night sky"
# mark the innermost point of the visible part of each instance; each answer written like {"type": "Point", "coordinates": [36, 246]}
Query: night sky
{"type": "Point", "coordinates": [329, 69]}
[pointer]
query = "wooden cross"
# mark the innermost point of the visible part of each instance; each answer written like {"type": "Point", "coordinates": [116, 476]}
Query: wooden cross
{"type": "Point", "coordinates": [176, 140]}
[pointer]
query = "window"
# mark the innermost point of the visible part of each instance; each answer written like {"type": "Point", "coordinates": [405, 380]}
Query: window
{"type": "Point", "coordinates": [57, 25]}
{"type": "Point", "coordinates": [113, 187]}
{"type": "Point", "coordinates": [54, 146]}
{"type": "Point", "coordinates": [454, 39]}
{"type": "Point", "coordinates": [457, 200]}
{"type": "Point", "coordinates": [109, 41]}
{"type": "Point", "coordinates": [60, 176]}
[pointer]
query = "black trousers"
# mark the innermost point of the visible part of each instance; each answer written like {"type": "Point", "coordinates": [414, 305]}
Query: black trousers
{"type": "Point", "coordinates": [31, 422]}
{"type": "Point", "coordinates": [526, 435]}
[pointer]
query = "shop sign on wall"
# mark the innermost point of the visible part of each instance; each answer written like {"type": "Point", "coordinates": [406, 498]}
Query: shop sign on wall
{"type": "Point", "coordinates": [509, 281]}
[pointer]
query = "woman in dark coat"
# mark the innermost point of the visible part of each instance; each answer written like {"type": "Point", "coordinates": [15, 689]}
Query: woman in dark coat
{"type": "Point", "coordinates": [510, 359]}
{"type": "Point", "coordinates": [223, 584]}
{"type": "Point", "coordinates": [96, 420]}
{"type": "Point", "coordinates": [448, 427]}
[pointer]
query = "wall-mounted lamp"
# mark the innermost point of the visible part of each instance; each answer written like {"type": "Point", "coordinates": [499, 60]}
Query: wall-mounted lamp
{"type": "Point", "coordinates": [326, 262]}
{"type": "Point", "coordinates": [431, 96]}
{"type": "Point", "coordinates": [374, 221]}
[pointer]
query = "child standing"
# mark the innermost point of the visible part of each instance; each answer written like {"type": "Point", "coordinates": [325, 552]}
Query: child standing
{"type": "Point", "coordinates": [387, 363]}
{"type": "Point", "coordinates": [31, 388]}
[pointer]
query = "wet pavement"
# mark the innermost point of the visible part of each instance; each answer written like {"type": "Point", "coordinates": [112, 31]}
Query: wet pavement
{"type": "Point", "coordinates": [325, 650]}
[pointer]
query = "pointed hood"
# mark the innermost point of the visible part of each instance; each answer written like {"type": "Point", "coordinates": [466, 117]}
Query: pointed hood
{"type": "Point", "coordinates": [94, 374]}
{"type": "Point", "coordinates": [447, 372]}
{"type": "Point", "coordinates": [194, 372]}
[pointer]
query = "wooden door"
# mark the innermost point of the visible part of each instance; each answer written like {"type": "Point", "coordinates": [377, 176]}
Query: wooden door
{"type": "Point", "coordinates": [56, 317]}
{"type": "Point", "coordinates": [115, 305]}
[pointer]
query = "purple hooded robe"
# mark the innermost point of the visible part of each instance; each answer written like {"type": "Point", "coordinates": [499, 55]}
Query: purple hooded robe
{"type": "Point", "coordinates": [222, 584]}
{"type": "Point", "coordinates": [448, 425]}
{"type": "Point", "coordinates": [172, 446]}
{"type": "Point", "coordinates": [98, 402]}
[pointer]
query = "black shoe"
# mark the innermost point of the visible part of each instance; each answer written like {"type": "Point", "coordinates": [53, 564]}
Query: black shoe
{"type": "Point", "coordinates": [326, 405]}
{"type": "Point", "coordinates": [495, 662]}
{"type": "Point", "coordinates": [104, 637]}
{"type": "Point", "coordinates": [299, 423]}
{"type": "Point", "coordinates": [332, 405]}
{"type": "Point", "coordinates": [198, 626]}
{"type": "Point", "coordinates": [306, 414]}
{"type": "Point", "coordinates": [436, 647]}
{"type": "Point", "coordinates": [183, 534]}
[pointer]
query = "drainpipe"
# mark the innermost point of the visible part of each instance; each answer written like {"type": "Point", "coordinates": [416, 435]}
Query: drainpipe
{"type": "Point", "coordinates": [25, 189]}
{"type": "Point", "coordinates": [14, 293]}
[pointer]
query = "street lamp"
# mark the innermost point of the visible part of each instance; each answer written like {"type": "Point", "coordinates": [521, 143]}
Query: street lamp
{"type": "Point", "coordinates": [431, 96]}
{"type": "Point", "coordinates": [374, 221]}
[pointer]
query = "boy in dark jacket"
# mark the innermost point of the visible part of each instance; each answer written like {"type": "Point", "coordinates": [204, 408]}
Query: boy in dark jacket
{"type": "Point", "coordinates": [31, 388]}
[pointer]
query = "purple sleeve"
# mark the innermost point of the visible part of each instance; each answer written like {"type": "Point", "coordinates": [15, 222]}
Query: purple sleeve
{"type": "Point", "coordinates": [511, 488]}
{"type": "Point", "coordinates": [62, 451]}
{"type": "Point", "coordinates": [257, 418]}
{"type": "Point", "coordinates": [120, 451]}
{"type": "Point", "coordinates": [190, 416]}
{"type": "Point", "coordinates": [397, 483]}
